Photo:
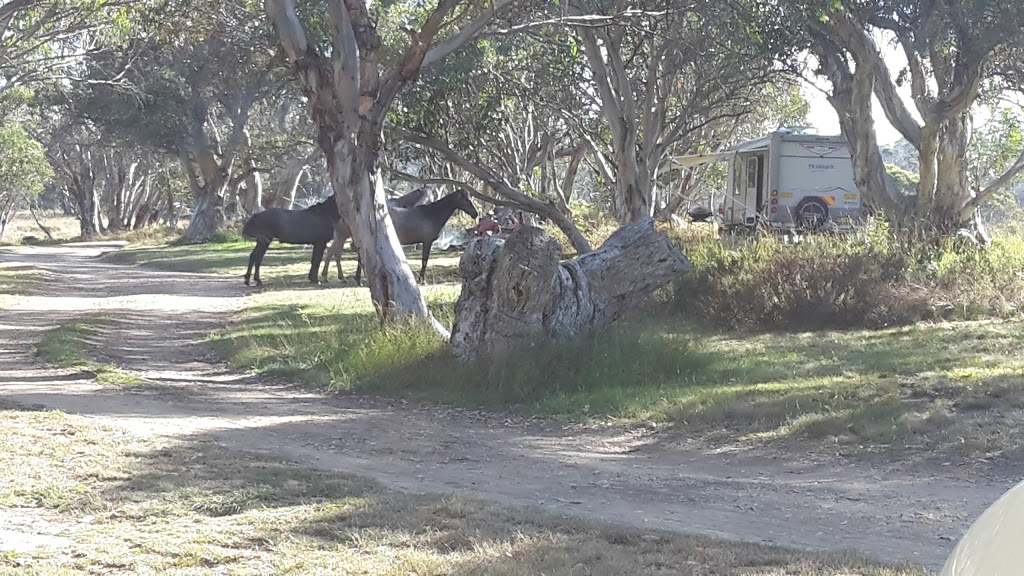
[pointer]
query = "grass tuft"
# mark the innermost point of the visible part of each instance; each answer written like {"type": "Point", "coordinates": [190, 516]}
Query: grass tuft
{"type": "Point", "coordinates": [67, 346]}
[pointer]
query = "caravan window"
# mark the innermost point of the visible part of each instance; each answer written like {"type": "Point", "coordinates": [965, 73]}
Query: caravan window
{"type": "Point", "coordinates": [752, 172]}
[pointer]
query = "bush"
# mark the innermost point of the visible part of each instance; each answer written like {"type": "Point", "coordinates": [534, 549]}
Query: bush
{"type": "Point", "coordinates": [870, 279]}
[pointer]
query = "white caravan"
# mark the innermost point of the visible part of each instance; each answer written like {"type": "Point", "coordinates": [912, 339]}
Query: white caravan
{"type": "Point", "coordinates": [787, 180]}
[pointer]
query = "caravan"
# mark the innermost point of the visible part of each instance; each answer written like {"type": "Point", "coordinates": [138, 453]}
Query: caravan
{"type": "Point", "coordinates": [787, 181]}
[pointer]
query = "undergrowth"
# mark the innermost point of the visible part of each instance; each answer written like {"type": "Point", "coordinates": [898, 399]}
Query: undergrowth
{"type": "Point", "coordinates": [871, 279]}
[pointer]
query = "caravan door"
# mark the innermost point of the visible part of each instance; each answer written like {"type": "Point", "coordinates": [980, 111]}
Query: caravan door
{"type": "Point", "coordinates": [753, 188]}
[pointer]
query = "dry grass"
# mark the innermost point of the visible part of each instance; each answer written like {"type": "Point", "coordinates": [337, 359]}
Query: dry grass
{"type": "Point", "coordinates": [23, 226]}
{"type": "Point", "coordinates": [131, 505]}
{"type": "Point", "coordinates": [24, 230]}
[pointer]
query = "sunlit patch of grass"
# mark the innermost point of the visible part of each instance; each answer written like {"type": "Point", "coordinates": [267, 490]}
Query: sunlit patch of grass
{"type": "Point", "coordinates": [155, 505]}
{"type": "Point", "coordinates": [15, 279]}
{"type": "Point", "coordinates": [334, 341]}
{"type": "Point", "coordinates": [67, 346]}
{"type": "Point", "coordinates": [24, 230]}
{"type": "Point", "coordinates": [284, 264]}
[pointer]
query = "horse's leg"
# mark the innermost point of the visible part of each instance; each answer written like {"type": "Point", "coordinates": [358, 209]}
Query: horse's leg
{"type": "Point", "coordinates": [314, 263]}
{"type": "Point", "coordinates": [359, 270]}
{"type": "Point", "coordinates": [337, 259]}
{"type": "Point", "coordinates": [262, 247]}
{"type": "Point", "coordinates": [327, 259]}
{"type": "Point", "coordinates": [252, 260]}
{"type": "Point", "coordinates": [426, 255]}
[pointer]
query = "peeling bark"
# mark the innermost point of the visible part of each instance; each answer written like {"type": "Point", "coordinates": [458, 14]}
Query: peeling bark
{"type": "Point", "coordinates": [516, 290]}
{"type": "Point", "coordinates": [349, 102]}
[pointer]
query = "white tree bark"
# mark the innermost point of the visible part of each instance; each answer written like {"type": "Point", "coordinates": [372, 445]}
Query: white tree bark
{"type": "Point", "coordinates": [349, 103]}
{"type": "Point", "coordinates": [945, 201]}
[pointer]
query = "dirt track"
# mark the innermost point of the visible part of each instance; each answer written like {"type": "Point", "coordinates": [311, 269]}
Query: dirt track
{"type": "Point", "coordinates": [615, 475]}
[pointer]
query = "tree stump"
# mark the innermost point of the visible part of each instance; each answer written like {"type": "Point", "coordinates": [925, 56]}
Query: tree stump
{"type": "Point", "coordinates": [515, 290]}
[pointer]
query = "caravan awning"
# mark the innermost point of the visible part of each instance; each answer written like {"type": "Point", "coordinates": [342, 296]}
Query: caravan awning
{"type": "Point", "coordinates": [691, 160]}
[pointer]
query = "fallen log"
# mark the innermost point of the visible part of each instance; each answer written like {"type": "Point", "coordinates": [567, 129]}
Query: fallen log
{"type": "Point", "coordinates": [515, 290]}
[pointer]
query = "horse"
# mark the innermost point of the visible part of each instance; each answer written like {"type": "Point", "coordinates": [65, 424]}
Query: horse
{"type": "Point", "coordinates": [313, 225]}
{"type": "Point", "coordinates": [342, 231]}
{"type": "Point", "coordinates": [422, 224]}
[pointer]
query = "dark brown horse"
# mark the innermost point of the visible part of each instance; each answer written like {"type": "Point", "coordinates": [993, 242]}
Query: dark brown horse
{"type": "Point", "coordinates": [313, 225]}
{"type": "Point", "coordinates": [342, 231]}
{"type": "Point", "coordinates": [422, 224]}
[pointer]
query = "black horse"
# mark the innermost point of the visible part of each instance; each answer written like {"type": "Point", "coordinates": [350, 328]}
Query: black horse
{"type": "Point", "coordinates": [313, 225]}
{"type": "Point", "coordinates": [342, 231]}
{"type": "Point", "coordinates": [422, 224]}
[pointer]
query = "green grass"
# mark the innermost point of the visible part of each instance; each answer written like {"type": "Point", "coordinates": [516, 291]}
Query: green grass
{"type": "Point", "coordinates": [948, 390]}
{"type": "Point", "coordinates": [953, 390]}
{"type": "Point", "coordinates": [14, 280]}
{"type": "Point", "coordinates": [129, 504]}
{"type": "Point", "coordinates": [283, 265]}
{"type": "Point", "coordinates": [67, 346]}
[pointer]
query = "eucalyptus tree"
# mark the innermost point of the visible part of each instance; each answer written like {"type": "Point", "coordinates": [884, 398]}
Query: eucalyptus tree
{"type": "Point", "coordinates": [666, 78]}
{"type": "Point", "coordinates": [198, 71]}
{"type": "Point", "coordinates": [486, 110]}
{"type": "Point", "coordinates": [956, 51]}
{"type": "Point", "coordinates": [23, 170]}
{"type": "Point", "coordinates": [351, 77]}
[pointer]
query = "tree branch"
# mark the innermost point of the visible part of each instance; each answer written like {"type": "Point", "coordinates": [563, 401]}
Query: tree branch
{"type": "Point", "coordinates": [866, 53]}
{"type": "Point", "coordinates": [995, 186]}
{"type": "Point", "coordinates": [468, 32]}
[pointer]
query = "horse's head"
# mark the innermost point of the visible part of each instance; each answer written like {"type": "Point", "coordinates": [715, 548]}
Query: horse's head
{"type": "Point", "coordinates": [464, 203]}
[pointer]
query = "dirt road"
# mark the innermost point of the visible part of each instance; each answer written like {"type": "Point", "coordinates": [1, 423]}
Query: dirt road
{"type": "Point", "coordinates": [623, 476]}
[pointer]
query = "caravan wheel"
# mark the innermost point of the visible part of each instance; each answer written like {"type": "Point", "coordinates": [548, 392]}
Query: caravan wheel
{"type": "Point", "coordinates": [811, 213]}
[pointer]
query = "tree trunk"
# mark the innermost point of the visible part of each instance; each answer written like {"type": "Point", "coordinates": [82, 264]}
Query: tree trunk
{"type": "Point", "coordinates": [171, 214]}
{"type": "Point", "coordinates": [88, 208]}
{"type": "Point", "coordinates": [250, 197]}
{"type": "Point", "coordinates": [208, 209]}
{"type": "Point", "coordinates": [633, 194]}
{"type": "Point", "coordinates": [516, 290]}
{"type": "Point", "coordinates": [357, 182]}
{"type": "Point", "coordinates": [294, 186]}
{"type": "Point", "coordinates": [952, 190]}
{"type": "Point", "coordinates": [207, 218]}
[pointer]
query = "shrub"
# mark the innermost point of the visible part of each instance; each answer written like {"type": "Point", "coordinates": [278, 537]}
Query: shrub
{"type": "Point", "coordinates": [870, 279]}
